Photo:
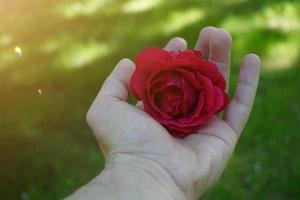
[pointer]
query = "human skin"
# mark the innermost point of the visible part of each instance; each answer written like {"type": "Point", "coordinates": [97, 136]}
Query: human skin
{"type": "Point", "coordinates": [143, 161]}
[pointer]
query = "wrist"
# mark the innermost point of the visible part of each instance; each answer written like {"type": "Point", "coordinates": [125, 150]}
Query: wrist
{"type": "Point", "coordinates": [138, 178]}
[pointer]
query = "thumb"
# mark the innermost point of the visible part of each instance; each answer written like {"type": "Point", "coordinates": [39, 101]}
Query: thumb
{"type": "Point", "coordinates": [117, 83]}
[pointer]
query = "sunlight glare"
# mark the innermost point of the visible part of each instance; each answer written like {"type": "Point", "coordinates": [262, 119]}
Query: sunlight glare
{"type": "Point", "coordinates": [82, 8]}
{"type": "Point", "coordinates": [5, 40]}
{"type": "Point", "coordinates": [18, 51]}
{"type": "Point", "coordinates": [81, 54]}
{"type": "Point", "coordinates": [135, 6]}
{"type": "Point", "coordinates": [173, 22]}
{"type": "Point", "coordinates": [180, 19]}
{"type": "Point", "coordinates": [40, 91]}
{"type": "Point", "coordinates": [281, 55]}
{"type": "Point", "coordinates": [281, 16]}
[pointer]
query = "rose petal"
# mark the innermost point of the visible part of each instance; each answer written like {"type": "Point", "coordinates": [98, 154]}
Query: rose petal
{"type": "Point", "coordinates": [152, 59]}
{"type": "Point", "coordinates": [137, 84]}
{"type": "Point", "coordinates": [176, 133]}
{"type": "Point", "coordinates": [197, 117]}
{"type": "Point", "coordinates": [153, 110]}
{"type": "Point", "coordinates": [164, 77]}
{"type": "Point", "coordinates": [219, 99]}
{"type": "Point", "coordinates": [208, 92]}
{"type": "Point", "coordinates": [190, 77]}
{"type": "Point", "coordinates": [168, 100]}
{"type": "Point", "coordinates": [188, 55]}
{"type": "Point", "coordinates": [179, 133]}
{"type": "Point", "coordinates": [189, 97]}
{"type": "Point", "coordinates": [225, 102]}
{"type": "Point", "coordinates": [179, 89]}
{"type": "Point", "coordinates": [210, 70]}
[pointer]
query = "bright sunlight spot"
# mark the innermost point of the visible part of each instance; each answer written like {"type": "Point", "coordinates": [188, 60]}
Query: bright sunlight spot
{"type": "Point", "coordinates": [135, 6]}
{"type": "Point", "coordinates": [18, 51]}
{"type": "Point", "coordinates": [281, 55]}
{"type": "Point", "coordinates": [282, 17]}
{"type": "Point", "coordinates": [81, 54]}
{"type": "Point", "coordinates": [82, 8]}
{"type": "Point", "coordinates": [242, 24]}
{"type": "Point", "coordinates": [173, 22]}
{"type": "Point", "coordinates": [181, 19]}
{"type": "Point", "coordinates": [40, 91]}
{"type": "Point", "coordinates": [5, 40]}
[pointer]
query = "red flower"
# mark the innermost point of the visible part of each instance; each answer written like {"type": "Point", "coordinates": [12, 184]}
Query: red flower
{"type": "Point", "coordinates": [178, 89]}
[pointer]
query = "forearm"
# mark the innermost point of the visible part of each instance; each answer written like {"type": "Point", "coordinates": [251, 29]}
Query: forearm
{"type": "Point", "coordinates": [120, 180]}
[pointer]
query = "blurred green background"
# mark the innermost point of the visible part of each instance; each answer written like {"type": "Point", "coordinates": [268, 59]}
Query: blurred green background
{"type": "Point", "coordinates": [55, 54]}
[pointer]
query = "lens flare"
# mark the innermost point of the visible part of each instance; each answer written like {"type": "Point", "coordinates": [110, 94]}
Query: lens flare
{"type": "Point", "coordinates": [18, 51]}
{"type": "Point", "coordinates": [40, 91]}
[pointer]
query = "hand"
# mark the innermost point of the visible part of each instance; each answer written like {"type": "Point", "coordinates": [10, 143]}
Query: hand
{"type": "Point", "coordinates": [178, 168]}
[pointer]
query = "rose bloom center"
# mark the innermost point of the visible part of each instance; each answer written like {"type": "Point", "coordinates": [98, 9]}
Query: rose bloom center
{"type": "Point", "coordinates": [174, 95]}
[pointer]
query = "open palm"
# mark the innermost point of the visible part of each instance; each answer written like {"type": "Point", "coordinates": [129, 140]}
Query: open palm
{"type": "Point", "coordinates": [186, 167]}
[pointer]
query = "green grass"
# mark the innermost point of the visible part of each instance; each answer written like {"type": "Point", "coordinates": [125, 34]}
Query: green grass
{"type": "Point", "coordinates": [46, 148]}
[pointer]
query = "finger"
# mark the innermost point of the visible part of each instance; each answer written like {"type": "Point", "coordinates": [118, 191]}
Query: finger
{"type": "Point", "coordinates": [220, 46]}
{"type": "Point", "coordinates": [240, 107]}
{"type": "Point", "coordinates": [215, 45]}
{"type": "Point", "coordinates": [176, 44]}
{"type": "Point", "coordinates": [220, 51]}
{"type": "Point", "coordinates": [203, 41]}
{"type": "Point", "coordinates": [117, 83]}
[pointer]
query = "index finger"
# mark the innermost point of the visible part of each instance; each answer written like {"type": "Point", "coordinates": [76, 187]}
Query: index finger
{"type": "Point", "coordinates": [215, 45]}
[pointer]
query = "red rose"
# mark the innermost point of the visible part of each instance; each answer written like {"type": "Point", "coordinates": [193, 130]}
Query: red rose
{"type": "Point", "coordinates": [178, 89]}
